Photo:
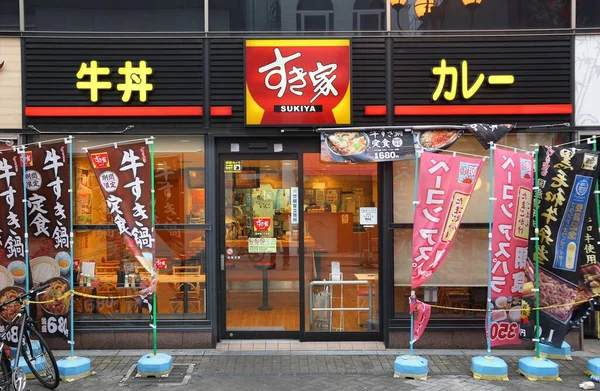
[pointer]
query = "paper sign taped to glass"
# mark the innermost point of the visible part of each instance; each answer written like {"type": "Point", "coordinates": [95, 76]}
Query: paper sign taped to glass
{"type": "Point", "coordinates": [358, 145]}
{"type": "Point", "coordinates": [567, 243]}
{"type": "Point", "coordinates": [124, 174]}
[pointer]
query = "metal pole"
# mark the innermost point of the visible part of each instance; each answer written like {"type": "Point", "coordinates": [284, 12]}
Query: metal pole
{"type": "Point", "coordinates": [489, 287]}
{"type": "Point", "coordinates": [537, 261]}
{"type": "Point", "coordinates": [25, 222]}
{"type": "Point", "coordinates": [71, 236]}
{"type": "Point", "coordinates": [415, 195]}
{"type": "Point", "coordinates": [154, 342]}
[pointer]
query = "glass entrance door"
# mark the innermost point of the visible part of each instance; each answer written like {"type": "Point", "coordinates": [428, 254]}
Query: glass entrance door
{"type": "Point", "coordinates": [261, 258]}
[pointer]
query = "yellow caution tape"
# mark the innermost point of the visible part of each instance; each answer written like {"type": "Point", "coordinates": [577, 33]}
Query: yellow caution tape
{"type": "Point", "coordinates": [73, 292]}
{"type": "Point", "coordinates": [512, 309]}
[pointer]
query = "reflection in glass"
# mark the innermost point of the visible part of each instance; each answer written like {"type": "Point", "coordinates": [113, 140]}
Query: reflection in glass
{"type": "Point", "coordinates": [9, 15]}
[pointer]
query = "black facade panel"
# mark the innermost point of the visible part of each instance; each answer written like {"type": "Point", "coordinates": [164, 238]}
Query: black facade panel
{"type": "Point", "coordinates": [541, 66]}
{"type": "Point", "coordinates": [51, 67]}
{"type": "Point", "coordinates": [368, 79]}
{"type": "Point", "coordinates": [227, 81]}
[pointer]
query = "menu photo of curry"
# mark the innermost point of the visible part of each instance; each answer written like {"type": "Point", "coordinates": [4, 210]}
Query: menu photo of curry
{"type": "Point", "coordinates": [57, 287]}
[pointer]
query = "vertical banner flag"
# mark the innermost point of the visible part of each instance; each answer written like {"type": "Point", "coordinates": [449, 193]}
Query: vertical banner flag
{"type": "Point", "coordinates": [124, 175]}
{"type": "Point", "coordinates": [47, 181]}
{"type": "Point", "coordinates": [566, 182]}
{"type": "Point", "coordinates": [446, 183]}
{"type": "Point", "coordinates": [513, 196]}
{"type": "Point", "coordinates": [12, 240]}
{"type": "Point", "coordinates": [423, 314]}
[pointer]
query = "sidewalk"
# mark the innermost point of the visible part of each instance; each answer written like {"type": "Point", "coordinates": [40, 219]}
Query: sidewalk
{"type": "Point", "coordinates": [229, 367]}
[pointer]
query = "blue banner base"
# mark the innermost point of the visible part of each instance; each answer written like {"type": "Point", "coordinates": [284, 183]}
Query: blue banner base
{"type": "Point", "coordinates": [159, 365]}
{"type": "Point", "coordinates": [562, 353]}
{"type": "Point", "coordinates": [538, 369]}
{"type": "Point", "coordinates": [411, 367]}
{"type": "Point", "coordinates": [74, 368]}
{"type": "Point", "coordinates": [489, 368]}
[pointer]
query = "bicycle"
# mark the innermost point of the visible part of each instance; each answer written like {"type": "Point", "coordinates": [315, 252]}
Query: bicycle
{"type": "Point", "coordinates": [30, 344]}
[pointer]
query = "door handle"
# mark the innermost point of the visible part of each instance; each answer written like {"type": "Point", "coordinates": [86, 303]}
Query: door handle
{"type": "Point", "coordinates": [222, 261]}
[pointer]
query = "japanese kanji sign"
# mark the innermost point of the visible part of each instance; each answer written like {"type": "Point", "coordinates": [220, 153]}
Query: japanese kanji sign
{"type": "Point", "coordinates": [298, 82]}
{"type": "Point", "coordinates": [513, 192]}
{"type": "Point", "coordinates": [566, 182]}
{"type": "Point", "coordinates": [12, 236]}
{"type": "Point", "coordinates": [124, 175]}
{"type": "Point", "coordinates": [135, 79]}
{"type": "Point", "coordinates": [445, 186]}
{"type": "Point", "coordinates": [47, 181]}
{"type": "Point", "coordinates": [448, 77]}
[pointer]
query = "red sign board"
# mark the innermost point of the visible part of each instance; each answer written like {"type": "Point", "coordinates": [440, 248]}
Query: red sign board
{"type": "Point", "coordinates": [161, 263]}
{"type": "Point", "coordinates": [100, 160]}
{"type": "Point", "coordinates": [298, 82]}
{"type": "Point", "coordinates": [262, 224]}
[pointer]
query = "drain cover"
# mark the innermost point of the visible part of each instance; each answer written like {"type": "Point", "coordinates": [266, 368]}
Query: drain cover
{"type": "Point", "coordinates": [180, 375]}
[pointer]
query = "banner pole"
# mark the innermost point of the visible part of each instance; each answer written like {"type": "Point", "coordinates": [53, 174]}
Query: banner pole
{"type": "Point", "coordinates": [72, 238]}
{"type": "Point", "coordinates": [21, 150]}
{"type": "Point", "coordinates": [154, 337]}
{"type": "Point", "coordinates": [415, 195]}
{"type": "Point", "coordinates": [537, 261]}
{"type": "Point", "coordinates": [597, 192]}
{"type": "Point", "coordinates": [489, 287]}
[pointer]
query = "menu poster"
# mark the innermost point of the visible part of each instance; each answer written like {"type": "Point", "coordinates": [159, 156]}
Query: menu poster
{"type": "Point", "coordinates": [12, 240]}
{"type": "Point", "coordinates": [47, 180]}
{"type": "Point", "coordinates": [566, 182]}
{"type": "Point", "coordinates": [367, 146]}
{"type": "Point", "coordinates": [513, 192]}
{"type": "Point", "coordinates": [124, 174]}
{"type": "Point", "coordinates": [446, 183]}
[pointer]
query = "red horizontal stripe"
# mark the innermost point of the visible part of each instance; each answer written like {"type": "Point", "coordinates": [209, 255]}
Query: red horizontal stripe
{"type": "Point", "coordinates": [126, 111]}
{"type": "Point", "coordinates": [375, 110]}
{"type": "Point", "coordinates": [484, 109]}
{"type": "Point", "coordinates": [220, 111]}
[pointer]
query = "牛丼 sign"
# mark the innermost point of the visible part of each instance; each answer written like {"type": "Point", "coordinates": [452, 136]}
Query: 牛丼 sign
{"type": "Point", "coordinates": [135, 79]}
{"type": "Point", "coordinates": [298, 82]}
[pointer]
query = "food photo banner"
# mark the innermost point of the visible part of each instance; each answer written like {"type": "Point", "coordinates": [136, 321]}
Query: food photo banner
{"type": "Point", "coordinates": [12, 240]}
{"type": "Point", "coordinates": [124, 174]}
{"type": "Point", "coordinates": [356, 145]}
{"type": "Point", "coordinates": [513, 192]}
{"type": "Point", "coordinates": [566, 180]}
{"type": "Point", "coordinates": [445, 185]}
{"type": "Point", "coordinates": [47, 182]}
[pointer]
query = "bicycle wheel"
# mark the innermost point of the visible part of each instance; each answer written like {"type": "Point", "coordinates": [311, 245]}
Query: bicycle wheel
{"type": "Point", "coordinates": [41, 361]}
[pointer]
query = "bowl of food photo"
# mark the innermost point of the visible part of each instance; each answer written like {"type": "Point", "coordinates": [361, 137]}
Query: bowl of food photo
{"type": "Point", "coordinates": [43, 269]}
{"type": "Point", "coordinates": [18, 270]}
{"type": "Point", "coordinates": [9, 312]}
{"type": "Point", "coordinates": [435, 140]}
{"type": "Point", "coordinates": [63, 259]}
{"type": "Point", "coordinates": [348, 146]}
{"type": "Point", "coordinates": [57, 287]}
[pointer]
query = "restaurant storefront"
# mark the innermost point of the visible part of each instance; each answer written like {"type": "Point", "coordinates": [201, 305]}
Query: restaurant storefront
{"type": "Point", "coordinates": [263, 228]}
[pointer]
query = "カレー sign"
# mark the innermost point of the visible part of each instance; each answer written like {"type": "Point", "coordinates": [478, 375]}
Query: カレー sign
{"type": "Point", "coordinates": [513, 191]}
{"type": "Point", "coordinates": [468, 90]}
{"type": "Point", "coordinates": [298, 82]}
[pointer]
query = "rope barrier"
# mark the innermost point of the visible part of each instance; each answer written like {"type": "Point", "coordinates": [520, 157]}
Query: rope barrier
{"type": "Point", "coordinates": [86, 295]}
{"type": "Point", "coordinates": [512, 309]}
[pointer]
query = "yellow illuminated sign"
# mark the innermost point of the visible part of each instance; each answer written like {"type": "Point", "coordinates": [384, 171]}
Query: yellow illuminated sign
{"type": "Point", "coordinates": [468, 91]}
{"type": "Point", "coordinates": [136, 80]}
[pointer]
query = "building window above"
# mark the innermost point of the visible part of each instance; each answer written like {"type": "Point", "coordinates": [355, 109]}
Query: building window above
{"type": "Point", "coordinates": [314, 15]}
{"type": "Point", "coordinates": [369, 15]}
{"type": "Point", "coordinates": [9, 15]}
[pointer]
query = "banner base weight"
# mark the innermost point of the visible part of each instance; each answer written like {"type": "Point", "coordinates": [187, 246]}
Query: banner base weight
{"type": "Point", "coordinates": [411, 367]}
{"type": "Point", "coordinates": [593, 367]}
{"type": "Point", "coordinates": [489, 368]}
{"type": "Point", "coordinates": [538, 369]}
{"type": "Point", "coordinates": [562, 353]}
{"type": "Point", "coordinates": [151, 365]}
{"type": "Point", "coordinates": [74, 368]}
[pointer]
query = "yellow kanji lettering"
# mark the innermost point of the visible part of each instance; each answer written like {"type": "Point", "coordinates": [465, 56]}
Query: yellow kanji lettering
{"type": "Point", "coordinates": [546, 235]}
{"type": "Point", "coordinates": [94, 85]}
{"type": "Point", "coordinates": [442, 71]}
{"type": "Point", "coordinates": [467, 91]}
{"type": "Point", "coordinates": [135, 80]}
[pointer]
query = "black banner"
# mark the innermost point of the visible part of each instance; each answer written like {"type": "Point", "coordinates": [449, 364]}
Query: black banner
{"type": "Point", "coordinates": [566, 181]}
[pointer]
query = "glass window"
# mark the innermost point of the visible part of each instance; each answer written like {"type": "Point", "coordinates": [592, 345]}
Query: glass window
{"type": "Point", "coordinates": [179, 196]}
{"type": "Point", "coordinates": [488, 15]}
{"type": "Point", "coordinates": [462, 279]}
{"type": "Point", "coordinates": [9, 15]}
{"type": "Point", "coordinates": [588, 13]}
{"type": "Point", "coordinates": [339, 247]}
{"type": "Point", "coordinates": [114, 15]}
{"type": "Point", "coordinates": [296, 15]}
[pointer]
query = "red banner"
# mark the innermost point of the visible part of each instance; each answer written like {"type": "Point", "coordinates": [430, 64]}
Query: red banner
{"type": "Point", "coordinates": [124, 174]}
{"type": "Point", "coordinates": [513, 190]}
{"type": "Point", "coordinates": [12, 240]}
{"type": "Point", "coordinates": [446, 183]}
{"type": "Point", "coordinates": [423, 311]}
{"type": "Point", "coordinates": [47, 180]}
{"type": "Point", "coordinates": [298, 82]}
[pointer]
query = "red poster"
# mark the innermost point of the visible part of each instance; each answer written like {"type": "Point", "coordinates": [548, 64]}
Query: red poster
{"type": "Point", "coordinates": [446, 183]}
{"type": "Point", "coordinates": [513, 189]}
{"type": "Point", "coordinates": [124, 173]}
{"type": "Point", "coordinates": [298, 82]}
{"type": "Point", "coordinates": [262, 224]}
